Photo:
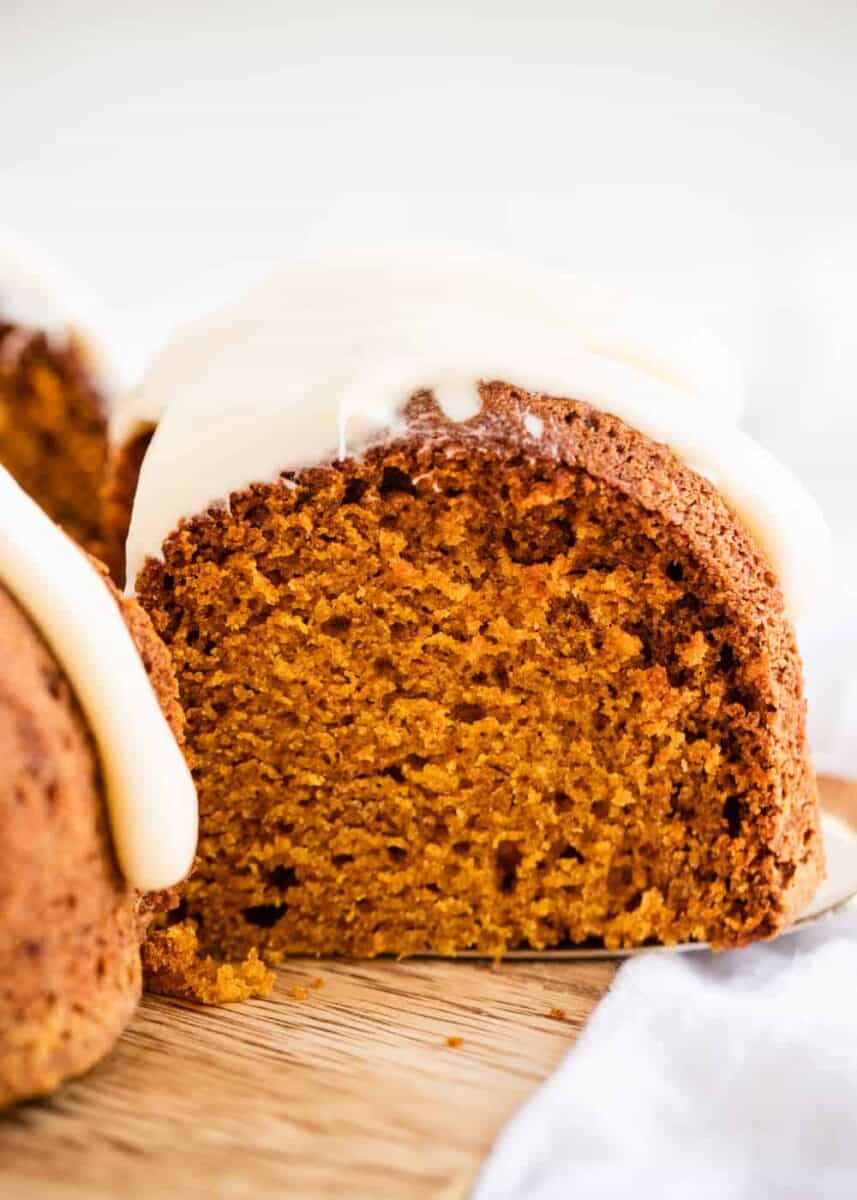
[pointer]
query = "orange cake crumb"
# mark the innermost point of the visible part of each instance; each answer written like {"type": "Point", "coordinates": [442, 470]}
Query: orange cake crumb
{"type": "Point", "coordinates": [174, 967]}
{"type": "Point", "coordinates": [298, 992]}
{"type": "Point", "coordinates": [557, 1014]}
{"type": "Point", "coordinates": [454, 696]}
{"type": "Point", "coordinates": [454, 1042]}
{"type": "Point", "coordinates": [53, 428]}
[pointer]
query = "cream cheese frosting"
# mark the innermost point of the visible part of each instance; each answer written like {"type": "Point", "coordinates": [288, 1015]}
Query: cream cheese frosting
{"type": "Point", "coordinates": [150, 794]}
{"type": "Point", "coordinates": [319, 361]}
{"type": "Point", "coordinates": [411, 283]}
{"type": "Point", "coordinates": [37, 294]}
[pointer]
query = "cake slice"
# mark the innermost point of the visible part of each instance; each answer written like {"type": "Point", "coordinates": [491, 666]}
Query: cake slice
{"type": "Point", "coordinates": [57, 387]}
{"type": "Point", "coordinates": [97, 810]}
{"type": "Point", "coordinates": [481, 625]}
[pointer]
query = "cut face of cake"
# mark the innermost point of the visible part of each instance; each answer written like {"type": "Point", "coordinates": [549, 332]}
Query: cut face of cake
{"type": "Point", "coordinates": [56, 390]}
{"type": "Point", "coordinates": [479, 626]}
{"type": "Point", "coordinates": [92, 778]}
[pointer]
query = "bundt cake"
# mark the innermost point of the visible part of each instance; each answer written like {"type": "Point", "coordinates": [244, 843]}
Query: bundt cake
{"type": "Point", "coordinates": [88, 714]}
{"type": "Point", "coordinates": [56, 389]}
{"type": "Point", "coordinates": [480, 614]}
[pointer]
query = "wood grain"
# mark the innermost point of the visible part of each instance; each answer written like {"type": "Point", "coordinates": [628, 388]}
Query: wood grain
{"type": "Point", "coordinates": [351, 1091]}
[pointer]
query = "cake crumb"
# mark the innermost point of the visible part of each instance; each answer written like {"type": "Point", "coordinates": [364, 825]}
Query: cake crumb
{"type": "Point", "coordinates": [557, 1014]}
{"type": "Point", "coordinates": [175, 966]}
{"type": "Point", "coordinates": [454, 1042]}
{"type": "Point", "coordinates": [573, 583]}
{"type": "Point", "coordinates": [316, 983]}
{"type": "Point", "coordinates": [298, 992]}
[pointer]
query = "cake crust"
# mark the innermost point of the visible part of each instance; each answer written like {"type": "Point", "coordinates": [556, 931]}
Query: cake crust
{"type": "Point", "coordinates": [481, 689]}
{"type": "Point", "coordinates": [70, 926]}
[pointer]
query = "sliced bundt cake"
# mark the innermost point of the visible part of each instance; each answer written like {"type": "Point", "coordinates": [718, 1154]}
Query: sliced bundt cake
{"type": "Point", "coordinates": [56, 389]}
{"type": "Point", "coordinates": [479, 627]}
{"type": "Point", "coordinates": [88, 715]}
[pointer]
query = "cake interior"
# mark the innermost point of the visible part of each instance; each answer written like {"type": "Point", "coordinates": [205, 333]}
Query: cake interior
{"type": "Point", "coordinates": [452, 696]}
{"type": "Point", "coordinates": [53, 428]}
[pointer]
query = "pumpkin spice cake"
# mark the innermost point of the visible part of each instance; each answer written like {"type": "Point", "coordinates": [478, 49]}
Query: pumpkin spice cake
{"type": "Point", "coordinates": [56, 390]}
{"type": "Point", "coordinates": [78, 666]}
{"type": "Point", "coordinates": [479, 619]}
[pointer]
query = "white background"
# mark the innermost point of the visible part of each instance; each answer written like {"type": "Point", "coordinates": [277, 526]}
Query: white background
{"type": "Point", "coordinates": [170, 152]}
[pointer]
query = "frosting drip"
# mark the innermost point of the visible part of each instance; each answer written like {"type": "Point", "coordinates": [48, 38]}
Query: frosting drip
{"type": "Point", "coordinates": [320, 361]}
{"type": "Point", "coordinates": [150, 794]}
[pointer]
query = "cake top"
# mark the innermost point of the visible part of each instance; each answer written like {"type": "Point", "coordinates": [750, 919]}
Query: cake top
{"type": "Point", "coordinates": [150, 794]}
{"type": "Point", "coordinates": [417, 287]}
{"type": "Point", "coordinates": [36, 294]}
{"type": "Point", "coordinates": [319, 362]}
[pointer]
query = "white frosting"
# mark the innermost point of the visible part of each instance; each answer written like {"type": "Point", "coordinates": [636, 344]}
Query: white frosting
{"type": "Point", "coordinates": [319, 362]}
{"type": "Point", "coordinates": [150, 793]}
{"type": "Point", "coordinates": [412, 285]}
{"type": "Point", "coordinates": [37, 294]}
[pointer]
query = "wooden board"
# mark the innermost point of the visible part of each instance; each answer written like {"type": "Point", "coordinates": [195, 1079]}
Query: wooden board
{"type": "Point", "coordinates": [350, 1092]}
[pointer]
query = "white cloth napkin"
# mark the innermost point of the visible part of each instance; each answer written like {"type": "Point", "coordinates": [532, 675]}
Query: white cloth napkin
{"type": "Point", "coordinates": [712, 1077]}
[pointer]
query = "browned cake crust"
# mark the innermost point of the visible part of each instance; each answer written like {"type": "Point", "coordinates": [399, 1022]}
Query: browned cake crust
{"type": "Point", "coordinates": [120, 484]}
{"type": "Point", "coordinates": [70, 927]}
{"type": "Point", "coordinates": [480, 691]}
{"type": "Point", "coordinates": [53, 428]}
